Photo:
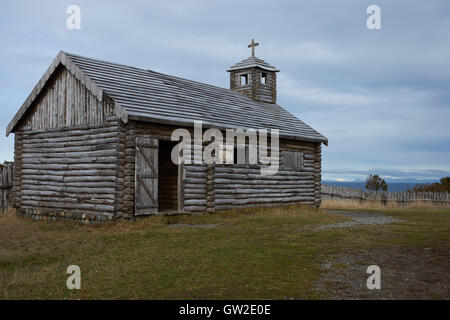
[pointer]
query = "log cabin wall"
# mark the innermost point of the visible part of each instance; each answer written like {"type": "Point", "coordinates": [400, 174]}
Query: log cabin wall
{"type": "Point", "coordinates": [127, 166]}
{"type": "Point", "coordinates": [241, 186]}
{"type": "Point", "coordinates": [209, 188]}
{"type": "Point", "coordinates": [255, 89]}
{"type": "Point", "coordinates": [71, 172]}
{"type": "Point", "coordinates": [318, 174]}
{"type": "Point", "coordinates": [68, 151]}
{"type": "Point", "coordinates": [248, 89]}
{"type": "Point", "coordinates": [87, 172]}
{"type": "Point", "coordinates": [195, 188]}
{"type": "Point", "coordinates": [90, 170]}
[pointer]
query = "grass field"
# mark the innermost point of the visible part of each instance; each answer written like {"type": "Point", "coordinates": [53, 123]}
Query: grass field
{"type": "Point", "coordinates": [275, 253]}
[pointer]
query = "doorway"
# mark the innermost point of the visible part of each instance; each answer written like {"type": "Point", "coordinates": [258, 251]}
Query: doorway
{"type": "Point", "coordinates": [167, 178]}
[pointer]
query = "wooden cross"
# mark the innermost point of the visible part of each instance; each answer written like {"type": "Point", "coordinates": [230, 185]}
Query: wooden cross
{"type": "Point", "coordinates": [253, 45]}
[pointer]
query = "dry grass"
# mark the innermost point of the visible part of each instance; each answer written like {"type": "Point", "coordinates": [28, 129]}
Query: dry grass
{"type": "Point", "coordinates": [253, 253]}
{"type": "Point", "coordinates": [258, 253]}
{"type": "Point", "coordinates": [350, 204]}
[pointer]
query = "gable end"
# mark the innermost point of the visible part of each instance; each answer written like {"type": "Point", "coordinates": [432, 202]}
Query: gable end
{"type": "Point", "coordinates": [58, 111]}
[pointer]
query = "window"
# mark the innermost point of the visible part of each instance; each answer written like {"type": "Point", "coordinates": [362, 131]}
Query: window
{"type": "Point", "coordinates": [293, 159]}
{"type": "Point", "coordinates": [243, 79]}
{"type": "Point", "coordinates": [264, 78]}
{"type": "Point", "coordinates": [230, 155]}
{"type": "Point", "coordinates": [225, 154]}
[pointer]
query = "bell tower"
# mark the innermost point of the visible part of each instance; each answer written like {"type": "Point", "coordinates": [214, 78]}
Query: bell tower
{"type": "Point", "coordinates": [255, 78]}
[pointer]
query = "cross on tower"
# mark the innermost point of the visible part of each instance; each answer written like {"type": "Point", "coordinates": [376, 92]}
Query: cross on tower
{"type": "Point", "coordinates": [253, 45]}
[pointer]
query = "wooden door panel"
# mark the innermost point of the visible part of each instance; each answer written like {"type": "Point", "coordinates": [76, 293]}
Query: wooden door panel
{"type": "Point", "coordinates": [146, 182]}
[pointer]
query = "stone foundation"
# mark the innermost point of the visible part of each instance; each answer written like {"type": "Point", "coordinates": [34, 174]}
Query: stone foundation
{"type": "Point", "coordinates": [46, 215]}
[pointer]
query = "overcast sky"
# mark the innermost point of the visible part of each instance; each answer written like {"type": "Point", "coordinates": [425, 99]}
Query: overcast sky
{"type": "Point", "coordinates": [381, 97]}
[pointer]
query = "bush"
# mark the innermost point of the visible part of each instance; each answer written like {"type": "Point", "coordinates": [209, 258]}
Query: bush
{"type": "Point", "coordinates": [442, 186]}
{"type": "Point", "coordinates": [375, 183]}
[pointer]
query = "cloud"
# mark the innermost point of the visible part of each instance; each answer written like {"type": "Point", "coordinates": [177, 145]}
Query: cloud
{"type": "Point", "coordinates": [306, 52]}
{"type": "Point", "coordinates": [308, 93]}
{"type": "Point", "coordinates": [381, 97]}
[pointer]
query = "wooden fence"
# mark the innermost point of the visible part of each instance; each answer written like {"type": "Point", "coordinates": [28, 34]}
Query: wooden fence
{"type": "Point", "coordinates": [6, 183]}
{"type": "Point", "coordinates": [332, 192]}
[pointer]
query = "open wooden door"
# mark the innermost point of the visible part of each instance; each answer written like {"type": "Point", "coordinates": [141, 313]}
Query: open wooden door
{"type": "Point", "coordinates": [146, 182]}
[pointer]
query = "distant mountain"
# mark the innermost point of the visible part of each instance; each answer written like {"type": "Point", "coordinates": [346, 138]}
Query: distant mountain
{"type": "Point", "coordinates": [393, 186]}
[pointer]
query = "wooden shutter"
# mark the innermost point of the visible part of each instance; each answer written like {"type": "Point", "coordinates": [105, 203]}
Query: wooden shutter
{"type": "Point", "coordinates": [293, 159]}
{"type": "Point", "coordinates": [146, 183]}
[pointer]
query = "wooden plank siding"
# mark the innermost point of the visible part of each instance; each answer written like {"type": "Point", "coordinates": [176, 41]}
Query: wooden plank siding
{"type": "Point", "coordinates": [6, 185]}
{"type": "Point", "coordinates": [146, 181]}
{"type": "Point", "coordinates": [66, 102]}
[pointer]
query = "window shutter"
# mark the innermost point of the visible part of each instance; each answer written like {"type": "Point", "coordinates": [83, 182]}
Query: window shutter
{"type": "Point", "coordinates": [293, 159]}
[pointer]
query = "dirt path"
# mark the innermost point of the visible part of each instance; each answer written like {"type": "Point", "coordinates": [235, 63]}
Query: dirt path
{"type": "Point", "coordinates": [406, 273]}
{"type": "Point", "coordinates": [364, 218]}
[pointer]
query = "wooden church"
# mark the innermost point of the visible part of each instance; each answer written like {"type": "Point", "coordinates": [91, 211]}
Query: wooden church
{"type": "Point", "coordinates": [93, 142]}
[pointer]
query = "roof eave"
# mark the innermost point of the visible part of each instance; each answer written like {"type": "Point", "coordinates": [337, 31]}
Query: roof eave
{"type": "Point", "coordinates": [252, 66]}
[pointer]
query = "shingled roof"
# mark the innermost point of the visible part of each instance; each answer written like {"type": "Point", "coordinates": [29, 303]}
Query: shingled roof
{"type": "Point", "coordinates": [145, 95]}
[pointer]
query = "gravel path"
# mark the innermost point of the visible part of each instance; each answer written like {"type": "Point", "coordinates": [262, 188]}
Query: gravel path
{"type": "Point", "coordinates": [358, 218]}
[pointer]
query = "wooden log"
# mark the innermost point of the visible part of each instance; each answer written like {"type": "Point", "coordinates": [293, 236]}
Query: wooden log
{"type": "Point", "coordinates": [263, 200]}
{"type": "Point", "coordinates": [100, 153]}
{"type": "Point", "coordinates": [87, 140]}
{"type": "Point", "coordinates": [195, 208]}
{"type": "Point", "coordinates": [194, 202]}
{"type": "Point", "coordinates": [33, 190]}
{"type": "Point", "coordinates": [65, 150]}
{"type": "Point", "coordinates": [68, 173]}
{"type": "Point", "coordinates": [74, 201]}
{"type": "Point", "coordinates": [224, 183]}
{"type": "Point", "coordinates": [68, 160]}
{"type": "Point", "coordinates": [69, 167]}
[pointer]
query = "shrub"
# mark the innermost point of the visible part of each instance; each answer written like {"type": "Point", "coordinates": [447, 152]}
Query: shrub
{"type": "Point", "coordinates": [375, 183]}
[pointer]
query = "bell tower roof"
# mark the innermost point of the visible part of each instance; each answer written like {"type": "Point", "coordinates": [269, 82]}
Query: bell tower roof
{"type": "Point", "coordinates": [252, 62]}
